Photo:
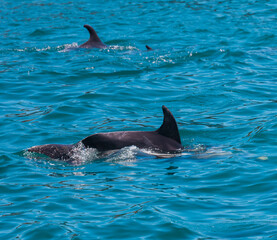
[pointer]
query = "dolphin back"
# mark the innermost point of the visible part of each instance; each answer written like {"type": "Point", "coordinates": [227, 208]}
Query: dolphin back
{"type": "Point", "coordinates": [55, 151]}
{"type": "Point", "coordinates": [166, 138]}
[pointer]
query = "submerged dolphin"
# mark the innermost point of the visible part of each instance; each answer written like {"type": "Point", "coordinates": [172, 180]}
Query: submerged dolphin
{"type": "Point", "coordinates": [95, 42]}
{"type": "Point", "coordinates": [165, 139]}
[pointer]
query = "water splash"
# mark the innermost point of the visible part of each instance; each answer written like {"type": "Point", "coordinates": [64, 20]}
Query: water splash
{"type": "Point", "coordinates": [81, 155]}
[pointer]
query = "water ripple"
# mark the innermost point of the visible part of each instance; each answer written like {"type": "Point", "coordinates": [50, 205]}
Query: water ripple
{"type": "Point", "coordinates": [213, 66]}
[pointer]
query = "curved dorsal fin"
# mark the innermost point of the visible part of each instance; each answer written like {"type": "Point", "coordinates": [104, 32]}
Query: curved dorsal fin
{"type": "Point", "coordinates": [94, 41]}
{"type": "Point", "coordinates": [93, 35]}
{"type": "Point", "coordinates": [149, 48]}
{"type": "Point", "coordinates": [169, 127]}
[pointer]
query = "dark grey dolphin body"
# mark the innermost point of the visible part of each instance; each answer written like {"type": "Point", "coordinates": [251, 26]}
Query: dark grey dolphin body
{"type": "Point", "coordinates": [95, 42]}
{"type": "Point", "coordinates": [166, 139]}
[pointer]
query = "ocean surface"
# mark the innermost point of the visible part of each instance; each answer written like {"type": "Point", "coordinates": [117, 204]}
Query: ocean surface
{"type": "Point", "coordinates": [214, 65]}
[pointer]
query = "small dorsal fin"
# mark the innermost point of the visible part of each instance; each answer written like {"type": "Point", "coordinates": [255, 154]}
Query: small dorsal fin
{"type": "Point", "coordinates": [93, 35]}
{"type": "Point", "coordinates": [149, 48]}
{"type": "Point", "coordinates": [169, 127]}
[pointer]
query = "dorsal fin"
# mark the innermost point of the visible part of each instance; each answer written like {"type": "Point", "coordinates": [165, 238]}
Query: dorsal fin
{"type": "Point", "coordinates": [94, 41]}
{"type": "Point", "coordinates": [148, 48]}
{"type": "Point", "coordinates": [93, 35]}
{"type": "Point", "coordinates": [169, 127]}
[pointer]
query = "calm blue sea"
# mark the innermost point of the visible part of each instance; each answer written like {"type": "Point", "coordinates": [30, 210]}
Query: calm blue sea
{"type": "Point", "coordinates": [214, 65]}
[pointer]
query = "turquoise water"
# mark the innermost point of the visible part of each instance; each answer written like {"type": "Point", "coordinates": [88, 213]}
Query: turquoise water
{"type": "Point", "coordinates": [214, 67]}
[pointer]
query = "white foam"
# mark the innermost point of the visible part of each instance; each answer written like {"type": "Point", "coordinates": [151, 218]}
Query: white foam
{"type": "Point", "coordinates": [125, 155]}
{"type": "Point", "coordinates": [81, 155]}
{"type": "Point", "coordinates": [68, 47]}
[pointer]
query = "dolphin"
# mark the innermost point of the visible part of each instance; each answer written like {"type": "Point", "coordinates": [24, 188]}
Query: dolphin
{"type": "Point", "coordinates": [95, 42]}
{"type": "Point", "coordinates": [166, 139]}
